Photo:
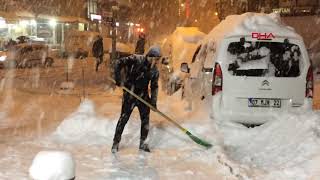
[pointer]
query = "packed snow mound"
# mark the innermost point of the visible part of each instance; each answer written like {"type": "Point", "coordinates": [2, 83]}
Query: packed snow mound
{"type": "Point", "coordinates": [287, 141]}
{"type": "Point", "coordinates": [246, 24]}
{"type": "Point", "coordinates": [85, 127]}
{"type": "Point", "coordinates": [52, 165]}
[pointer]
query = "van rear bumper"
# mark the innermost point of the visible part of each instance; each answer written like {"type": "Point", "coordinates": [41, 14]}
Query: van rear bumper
{"type": "Point", "coordinates": [248, 118]}
{"type": "Point", "coordinates": [256, 115]}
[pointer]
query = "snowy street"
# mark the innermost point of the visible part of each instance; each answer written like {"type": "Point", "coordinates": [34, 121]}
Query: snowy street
{"type": "Point", "coordinates": [159, 90]}
{"type": "Point", "coordinates": [287, 148]}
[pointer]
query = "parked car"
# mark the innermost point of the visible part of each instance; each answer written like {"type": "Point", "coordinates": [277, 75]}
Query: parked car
{"type": "Point", "coordinates": [26, 55]}
{"type": "Point", "coordinates": [79, 43]}
{"type": "Point", "coordinates": [177, 48]}
{"type": "Point", "coordinates": [249, 68]}
{"type": "Point", "coordinates": [122, 49]}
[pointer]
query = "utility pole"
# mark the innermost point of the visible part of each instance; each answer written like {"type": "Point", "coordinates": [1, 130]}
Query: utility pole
{"type": "Point", "coordinates": [114, 33]}
{"type": "Point", "coordinates": [113, 58]}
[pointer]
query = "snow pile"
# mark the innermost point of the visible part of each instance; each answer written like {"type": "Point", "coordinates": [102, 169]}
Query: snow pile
{"type": "Point", "coordinates": [52, 165]}
{"type": "Point", "coordinates": [280, 149]}
{"type": "Point", "coordinates": [83, 126]}
{"type": "Point", "coordinates": [286, 144]}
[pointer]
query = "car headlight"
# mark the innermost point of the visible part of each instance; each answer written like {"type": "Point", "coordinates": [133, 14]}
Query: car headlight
{"type": "Point", "coordinates": [3, 58]}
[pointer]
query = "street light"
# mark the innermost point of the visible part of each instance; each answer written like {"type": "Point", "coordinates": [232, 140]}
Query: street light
{"type": "Point", "coordinates": [24, 23]}
{"type": "Point", "coordinates": [2, 23]}
{"type": "Point", "coordinates": [53, 23]}
{"type": "Point", "coordinates": [33, 22]}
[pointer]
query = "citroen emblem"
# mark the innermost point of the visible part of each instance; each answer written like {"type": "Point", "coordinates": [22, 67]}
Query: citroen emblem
{"type": "Point", "coordinates": [265, 83]}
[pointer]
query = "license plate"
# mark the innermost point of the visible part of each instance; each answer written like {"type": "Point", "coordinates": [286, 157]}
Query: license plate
{"type": "Point", "coordinates": [260, 102]}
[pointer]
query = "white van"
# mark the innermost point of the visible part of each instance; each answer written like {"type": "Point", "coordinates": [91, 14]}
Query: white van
{"type": "Point", "coordinates": [250, 66]}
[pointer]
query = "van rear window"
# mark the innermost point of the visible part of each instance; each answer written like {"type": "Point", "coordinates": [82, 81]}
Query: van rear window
{"type": "Point", "coordinates": [264, 59]}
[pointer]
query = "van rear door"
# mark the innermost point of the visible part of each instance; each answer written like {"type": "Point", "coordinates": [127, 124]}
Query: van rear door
{"type": "Point", "coordinates": [265, 74]}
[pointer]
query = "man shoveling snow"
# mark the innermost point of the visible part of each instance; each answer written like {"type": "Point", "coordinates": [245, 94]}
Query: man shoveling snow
{"type": "Point", "coordinates": [140, 71]}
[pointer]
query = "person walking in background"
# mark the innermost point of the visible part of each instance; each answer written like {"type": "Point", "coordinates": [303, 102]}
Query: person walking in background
{"type": "Point", "coordinates": [140, 71]}
{"type": "Point", "coordinates": [97, 51]}
{"type": "Point", "coordinates": [11, 43]}
{"type": "Point", "coordinates": [140, 44]}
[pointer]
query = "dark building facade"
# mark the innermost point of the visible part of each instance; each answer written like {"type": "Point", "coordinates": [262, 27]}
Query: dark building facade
{"type": "Point", "coordinates": [49, 7]}
{"type": "Point", "coordinates": [285, 7]}
{"type": "Point", "coordinates": [44, 20]}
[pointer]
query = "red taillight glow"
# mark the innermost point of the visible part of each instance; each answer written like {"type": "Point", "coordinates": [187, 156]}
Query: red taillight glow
{"type": "Point", "coordinates": [309, 84]}
{"type": "Point", "coordinates": [217, 79]}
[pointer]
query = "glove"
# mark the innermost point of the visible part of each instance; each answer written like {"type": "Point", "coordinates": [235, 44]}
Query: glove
{"type": "Point", "coordinates": [154, 104]}
{"type": "Point", "coordinates": [118, 83]}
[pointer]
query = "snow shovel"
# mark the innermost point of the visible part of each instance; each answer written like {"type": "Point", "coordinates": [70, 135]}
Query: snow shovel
{"type": "Point", "coordinates": [193, 137]}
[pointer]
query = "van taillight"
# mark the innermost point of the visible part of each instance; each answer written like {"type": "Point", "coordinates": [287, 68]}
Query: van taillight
{"type": "Point", "coordinates": [217, 79]}
{"type": "Point", "coordinates": [309, 85]}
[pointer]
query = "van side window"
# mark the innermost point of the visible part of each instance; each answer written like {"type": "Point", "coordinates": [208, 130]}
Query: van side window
{"type": "Point", "coordinates": [196, 54]}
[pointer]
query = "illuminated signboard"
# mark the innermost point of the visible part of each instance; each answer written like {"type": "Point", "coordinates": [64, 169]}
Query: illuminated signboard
{"type": "Point", "coordinates": [282, 10]}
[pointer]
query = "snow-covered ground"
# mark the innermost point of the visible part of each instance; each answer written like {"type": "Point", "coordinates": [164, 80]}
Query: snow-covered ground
{"type": "Point", "coordinates": [32, 121]}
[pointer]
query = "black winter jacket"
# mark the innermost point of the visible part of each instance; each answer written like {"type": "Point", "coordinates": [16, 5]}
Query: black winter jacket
{"type": "Point", "coordinates": [138, 74]}
{"type": "Point", "coordinates": [140, 46]}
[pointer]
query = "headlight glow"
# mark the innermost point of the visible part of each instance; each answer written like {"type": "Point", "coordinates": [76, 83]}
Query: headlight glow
{"type": "Point", "coordinates": [3, 58]}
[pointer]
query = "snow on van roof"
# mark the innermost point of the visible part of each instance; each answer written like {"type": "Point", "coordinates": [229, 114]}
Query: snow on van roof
{"type": "Point", "coordinates": [246, 24]}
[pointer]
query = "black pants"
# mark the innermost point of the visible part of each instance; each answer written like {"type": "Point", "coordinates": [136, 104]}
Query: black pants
{"type": "Point", "coordinates": [99, 61]}
{"type": "Point", "coordinates": [128, 104]}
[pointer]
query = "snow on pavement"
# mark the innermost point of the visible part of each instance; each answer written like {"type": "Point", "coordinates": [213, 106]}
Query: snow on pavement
{"type": "Point", "coordinates": [89, 137]}
{"type": "Point", "coordinates": [286, 148]}
{"type": "Point", "coordinates": [174, 155]}
{"type": "Point", "coordinates": [283, 148]}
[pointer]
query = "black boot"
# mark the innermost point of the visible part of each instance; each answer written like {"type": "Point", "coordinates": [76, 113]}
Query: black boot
{"type": "Point", "coordinates": [144, 147]}
{"type": "Point", "coordinates": [115, 147]}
